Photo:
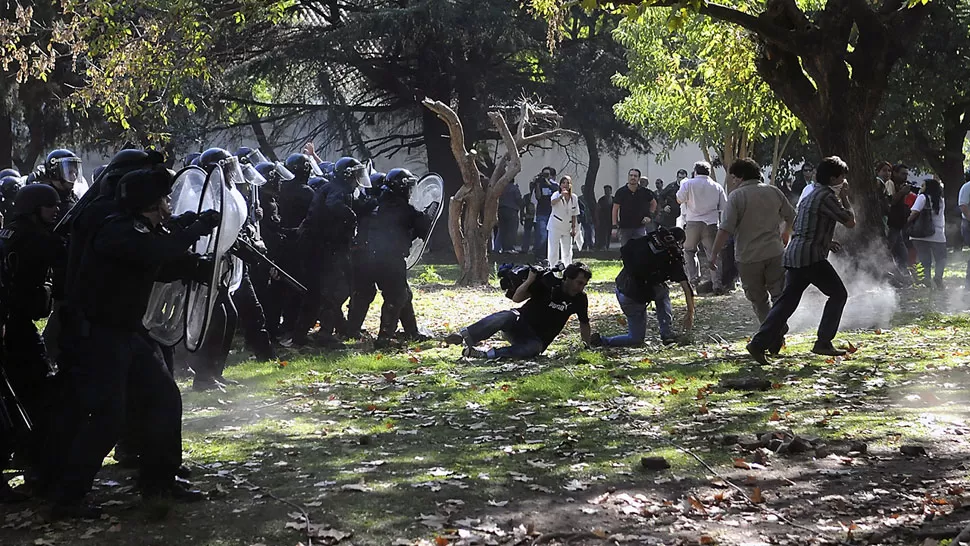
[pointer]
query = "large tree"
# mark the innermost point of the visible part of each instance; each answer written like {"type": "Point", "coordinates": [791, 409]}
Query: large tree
{"type": "Point", "coordinates": [926, 114]}
{"type": "Point", "coordinates": [828, 62]}
{"type": "Point", "coordinates": [698, 83]}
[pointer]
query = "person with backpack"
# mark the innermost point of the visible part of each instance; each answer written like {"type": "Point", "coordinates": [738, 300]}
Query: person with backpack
{"type": "Point", "coordinates": [927, 229]}
{"type": "Point", "coordinates": [549, 302]}
{"type": "Point", "coordinates": [648, 263]}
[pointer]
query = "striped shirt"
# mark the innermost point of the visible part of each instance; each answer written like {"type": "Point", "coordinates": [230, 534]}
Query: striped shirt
{"type": "Point", "coordinates": [814, 227]}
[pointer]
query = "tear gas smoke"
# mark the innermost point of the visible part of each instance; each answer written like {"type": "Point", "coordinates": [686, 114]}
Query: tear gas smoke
{"type": "Point", "coordinates": [872, 300]}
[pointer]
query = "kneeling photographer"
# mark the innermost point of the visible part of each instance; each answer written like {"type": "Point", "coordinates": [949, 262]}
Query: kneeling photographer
{"type": "Point", "coordinates": [648, 263]}
{"type": "Point", "coordinates": [533, 326]}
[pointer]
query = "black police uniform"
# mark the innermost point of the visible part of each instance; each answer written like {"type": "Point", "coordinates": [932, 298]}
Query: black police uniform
{"type": "Point", "coordinates": [122, 260]}
{"type": "Point", "coordinates": [29, 251]}
{"type": "Point", "coordinates": [295, 201]}
{"type": "Point", "coordinates": [271, 293]}
{"type": "Point", "coordinates": [324, 243]}
{"type": "Point", "coordinates": [388, 235]}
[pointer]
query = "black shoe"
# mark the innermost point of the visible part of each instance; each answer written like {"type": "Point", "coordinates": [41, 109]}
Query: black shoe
{"type": "Point", "coordinates": [668, 340]}
{"type": "Point", "coordinates": [938, 283]}
{"type": "Point", "coordinates": [203, 385]}
{"type": "Point", "coordinates": [328, 342]}
{"type": "Point", "coordinates": [383, 342]}
{"type": "Point", "coordinates": [472, 352]}
{"type": "Point", "coordinates": [454, 339]}
{"type": "Point", "coordinates": [825, 348]}
{"type": "Point", "coordinates": [76, 510]}
{"type": "Point", "coordinates": [775, 349]}
{"type": "Point", "coordinates": [596, 340]}
{"type": "Point", "coordinates": [758, 354]}
{"type": "Point", "coordinates": [181, 491]}
{"type": "Point", "coordinates": [183, 472]}
{"type": "Point", "coordinates": [126, 460]}
{"type": "Point", "coordinates": [9, 496]}
{"type": "Point", "coordinates": [419, 336]}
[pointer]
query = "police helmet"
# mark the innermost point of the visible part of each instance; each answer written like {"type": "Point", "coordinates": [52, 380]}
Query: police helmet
{"type": "Point", "coordinates": [316, 181]}
{"type": "Point", "coordinates": [34, 196]}
{"type": "Point", "coordinates": [377, 179]}
{"type": "Point", "coordinates": [142, 188]}
{"type": "Point", "coordinates": [63, 165]}
{"type": "Point", "coordinates": [327, 168]}
{"type": "Point", "coordinates": [9, 172]}
{"type": "Point", "coordinates": [400, 181]}
{"type": "Point", "coordinates": [302, 166]}
{"type": "Point", "coordinates": [191, 159]}
{"type": "Point", "coordinates": [9, 186]}
{"type": "Point", "coordinates": [251, 156]}
{"type": "Point", "coordinates": [274, 173]}
{"type": "Point", "coordinates": [213, 156]}
{"type": "Point", "coordinates": [348, 171]}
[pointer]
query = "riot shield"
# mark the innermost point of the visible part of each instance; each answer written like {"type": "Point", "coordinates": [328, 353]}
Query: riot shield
{"type": "Point", "coordinates": [165, 316]}
{"type": "Point", "coordinates": [237, 210]}
{"type": "Point", "coordinates": [426, 197]}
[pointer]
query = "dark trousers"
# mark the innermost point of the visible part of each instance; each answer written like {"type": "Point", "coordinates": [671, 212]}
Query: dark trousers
{"type": "Point", "coordinates": [508, 228]}
{"type": "Point", "coordinates": [251, 317]}
{"type": "Point", "coordinates": [328, 273]}
{"type": "Point", "coordinates": [25, 363]}
{"type": "Point", "coordinates": [603, 232]}
{"type": "Point", "coordinates": [527, 227]}
{"type": "Point", "coordinates": [827, 280]}
{"type": "Point", "coordinates": [524, 341]}
{"type": "Point", "coordinates": [390, 276]}
{"type": "Point", "coordinates": [209, 361]}
{"type": "Point", "coordinates": [114, 367]}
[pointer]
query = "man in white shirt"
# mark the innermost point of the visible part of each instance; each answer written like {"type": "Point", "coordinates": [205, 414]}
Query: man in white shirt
{"type": "Point", "coordinates": [702, 201]}
{"type": "Point", "coordinates": [964, 202]}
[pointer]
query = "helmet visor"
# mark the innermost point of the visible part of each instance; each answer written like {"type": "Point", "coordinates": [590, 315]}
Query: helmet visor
{"type": "Point", "coordinates": [315, 169]}
{"type": "Point", "coordinates": [232, 171]}
{"type": "Point", "coordinates": [283, 172]}
{"type": "Point", "coordinates": [255, 157]}
{"type": "Point", "coordinates": [251, 175]}
{"type": "Point", "coordinates": [359, 175]}
{"type": "Point", "coordinates": [69, 169]}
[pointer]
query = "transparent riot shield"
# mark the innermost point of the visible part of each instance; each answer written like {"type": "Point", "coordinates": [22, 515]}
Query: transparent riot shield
{"type": "Point", "coordinates": [427, 197]}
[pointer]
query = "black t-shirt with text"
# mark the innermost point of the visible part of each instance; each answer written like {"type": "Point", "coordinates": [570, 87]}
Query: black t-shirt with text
{"type": "Point", "coordinates": [633, 206]}
{"type": "Point", "coordinates": [647, 262]}
{"type": "Point", "coordinates": [548, 309]}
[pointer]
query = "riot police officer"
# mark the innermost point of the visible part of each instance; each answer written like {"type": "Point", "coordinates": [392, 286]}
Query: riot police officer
{"type": "Point", "coordinates": [28, 252]}
{"type": "Point", "coordinates": [62, 170]}
{"type": "Point", "coordinates": [325, 241]}
{"type": "Point", "coordinates": [390, 231]}
{"type": "Point", "coordinates": [121, 260]}
{"type": "Point", "coordinates": [9, 186]}
{"type": "Point", "coordinates": [272, 293]}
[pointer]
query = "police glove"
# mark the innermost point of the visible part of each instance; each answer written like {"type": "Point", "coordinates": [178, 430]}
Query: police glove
{"type": "Point", "coordinates": [185, 219]}
{"type": "Point", "coordinates": [211, 218]}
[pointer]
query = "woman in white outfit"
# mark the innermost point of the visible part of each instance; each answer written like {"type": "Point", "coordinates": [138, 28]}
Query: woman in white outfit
{"type": "Point", "coordinates": [562, 223]}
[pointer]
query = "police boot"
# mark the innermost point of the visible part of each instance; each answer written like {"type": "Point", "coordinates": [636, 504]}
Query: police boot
{"type": "Point", "coordinates": [8, 495]}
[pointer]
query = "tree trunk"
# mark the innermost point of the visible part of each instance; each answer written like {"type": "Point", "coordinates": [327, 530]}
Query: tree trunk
{"type": "Point", "coordinates": [593, 151]}
{"type": "Point", "coordinates": [264, 144]}
{"type": "Point", "coordinates": [441, 161]}
{"type": "Point", "coordinates": [850, 141]}
{"type": "Point", "coordinates": [6, 136]}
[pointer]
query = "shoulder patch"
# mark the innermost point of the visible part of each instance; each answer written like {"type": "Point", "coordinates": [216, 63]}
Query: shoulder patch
{"type": "Point", "coordinates": [6, 233]}
{"type": "Point", "coordinates": [140, 227]}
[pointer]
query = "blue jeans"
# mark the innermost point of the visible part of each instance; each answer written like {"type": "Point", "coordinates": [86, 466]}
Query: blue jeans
{"type": "Point", "coordinates": [636, 318]}
{"type": "Point", "coordinates": [930, 252]}
{"type": "Point", "coordinates": [524, 341]}
{"type": "Point", "coordinates": [541, 235]}
{"type": "Point", "coordinates": [625, 234]}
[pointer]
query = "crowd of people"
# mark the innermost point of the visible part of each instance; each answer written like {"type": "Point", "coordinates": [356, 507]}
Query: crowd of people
{"type": "Point", "coordinates": [551, 211]}
{"type": "Point", "coordinates": [316, 234]}
{"type": "Point", "coordinates": [320, 235]}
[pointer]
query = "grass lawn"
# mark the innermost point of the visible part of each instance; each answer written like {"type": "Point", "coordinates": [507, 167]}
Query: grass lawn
{"type": "Point", "coordinates": [421, 446]}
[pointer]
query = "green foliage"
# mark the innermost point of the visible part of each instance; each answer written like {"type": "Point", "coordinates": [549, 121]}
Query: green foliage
{"type": "Point", "coordinates": [695, 81]}
{"type": "Point", "coordinates": [429, 275]}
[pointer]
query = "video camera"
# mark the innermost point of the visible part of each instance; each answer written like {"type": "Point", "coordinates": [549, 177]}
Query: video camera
{"type": "Point", "coordinates": [511, 276]}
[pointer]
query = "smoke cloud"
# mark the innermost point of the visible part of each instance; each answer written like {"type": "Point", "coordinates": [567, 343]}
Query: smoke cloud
{"type": "Point", "coordinates": [872, 300]}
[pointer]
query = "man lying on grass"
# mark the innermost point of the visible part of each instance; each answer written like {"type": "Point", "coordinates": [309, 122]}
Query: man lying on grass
{"type": "Point", "coordinates": [533, 326]}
